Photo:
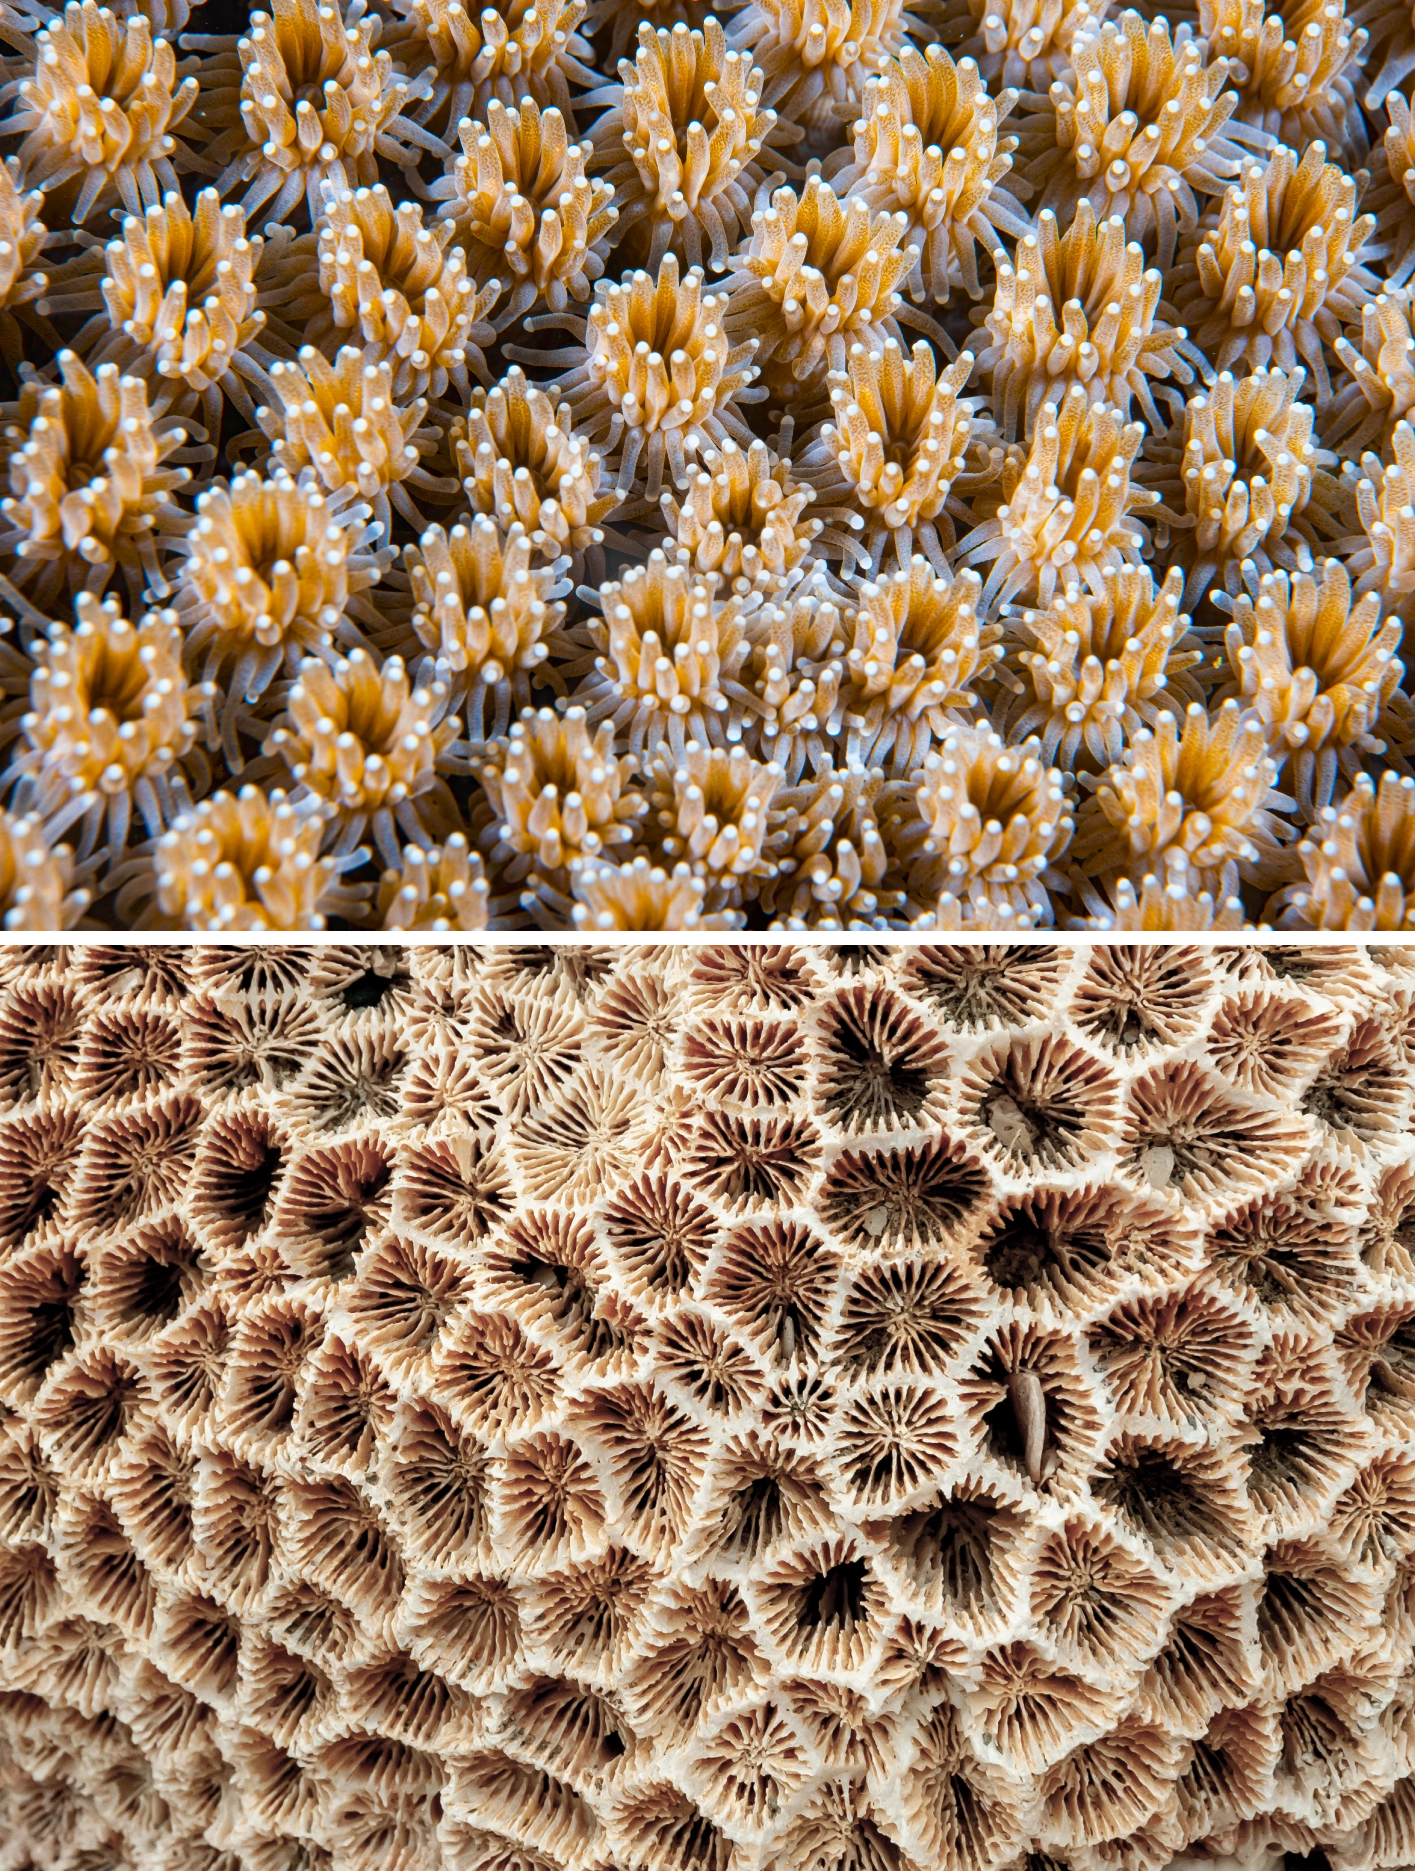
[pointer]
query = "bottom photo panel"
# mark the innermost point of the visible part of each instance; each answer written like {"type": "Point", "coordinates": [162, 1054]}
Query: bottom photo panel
{"type": "Point", "coordinates": [754, 1406]}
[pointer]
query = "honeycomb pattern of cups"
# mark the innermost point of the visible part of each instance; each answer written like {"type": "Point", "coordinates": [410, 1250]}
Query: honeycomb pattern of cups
{"type": "Point", "coordinates": [707, 1408]}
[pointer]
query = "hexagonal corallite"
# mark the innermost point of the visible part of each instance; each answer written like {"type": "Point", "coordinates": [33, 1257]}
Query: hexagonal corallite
{"type": "Point", "coordinates": [902, 1199]}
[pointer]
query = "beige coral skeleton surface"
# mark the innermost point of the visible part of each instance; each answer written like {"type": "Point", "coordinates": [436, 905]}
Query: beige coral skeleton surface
{"type": "Point", "coordinates": [643, 1408]}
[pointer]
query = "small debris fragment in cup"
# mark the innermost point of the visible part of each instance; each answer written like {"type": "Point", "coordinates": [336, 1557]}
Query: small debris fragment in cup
{"type": "Point", "coordinates": [1029, 1405]}
{"type": "Point", "coordinates": [1158, 1164]}
{"type": "Point", "coordinates": [1009, 1126]}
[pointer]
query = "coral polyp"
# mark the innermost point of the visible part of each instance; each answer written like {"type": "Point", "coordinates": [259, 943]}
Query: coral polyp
{"type": "Point", "coordinates": [564, 355]}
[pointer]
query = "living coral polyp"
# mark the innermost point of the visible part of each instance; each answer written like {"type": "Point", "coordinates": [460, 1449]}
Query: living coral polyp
{"type": "Point", "coordinates": [769, 309]}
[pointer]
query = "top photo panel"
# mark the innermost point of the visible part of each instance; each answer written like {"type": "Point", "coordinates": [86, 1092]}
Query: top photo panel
{"type": "Point", "coordinates": [808, 465]}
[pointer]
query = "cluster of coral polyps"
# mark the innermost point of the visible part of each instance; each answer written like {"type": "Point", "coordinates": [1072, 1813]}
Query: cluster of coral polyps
{"type": "Point", "coordinates": [686, 1408]}
{"type": "Point", "coordinates": [842, 464]}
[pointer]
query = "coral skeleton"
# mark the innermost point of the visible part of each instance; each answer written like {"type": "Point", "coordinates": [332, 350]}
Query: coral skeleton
{"type": "Point", "coordinates": [778, 1404]}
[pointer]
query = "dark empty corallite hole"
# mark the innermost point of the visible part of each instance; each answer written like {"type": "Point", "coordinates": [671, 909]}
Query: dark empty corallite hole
{"type": "Point", "coordinates": [43, 1201]}
{"type": "Point", "coordinates": [300, 1692]}
{"type": "Point", "coordinates": [105, 1417]}
{"type": "Point", "coordinates": [1309, 1861]}
{"type": "Point", "coordinates": [1310, 1726]}
{"type": "Point", "coordinates": [952, 1545]}
{"type": "Point", "coordinates": [602, 1337]}
{"type": "Point", "coordinates": [855, 957]}
{"type": "Point", "coordinates": [505, 1025]}
{"type": "Point", "coordinates": [756, 1515]}
{"type": "Point", "coordinates": [51, 1334]}
{"type": "Point", "coordinates": [1005, 1436]}
{"type": "Point", "coordinates": [370, 989]}
{"type": "Point", "coordinates": [1335, 1101]}
{"type": "Point", "coordinates": [1017, 1254]}
{"type": "Point", "coordinates": [868, 1087]}
{"type": "Point", "coordinates": [574, 1304]}
{"type": "Point", "coordinates": [343, 1220]}
{"type": "Point", "coordinates": [1279, 1452]}
{"type": "Point", "coordinates": [612, 1745]}
{"type": "Point", "coordinates": [1156, 1496]}
{"type": "Point", "coordinates": [1289, 1604]}
{"type": "Point", "coordinates": [532, 962]}
{"type": "Point", "coordinates": [342, 1260]}
{"type": "Point", "coordinates": [1021, 1253]}
{"type": "Point", "coordinates": [573, 1301]}
{"type": "Point", "coordinates": [836, 1597]}
{"type": "Point", "coordinates": [697, 1845]}
{"type": "Point", "coordinates": [157, 1293]}
{"type": "Point", "coordinates": [240, 1190]}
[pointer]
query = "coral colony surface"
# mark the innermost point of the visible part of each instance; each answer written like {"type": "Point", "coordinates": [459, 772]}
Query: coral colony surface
{"type": "Point", "coordinates": [758, 1408]}
{"type": "Point", "coordinates": [820, 464]}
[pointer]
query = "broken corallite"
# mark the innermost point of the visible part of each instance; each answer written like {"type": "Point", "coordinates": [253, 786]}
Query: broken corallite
{"type": "Point", "coordinates": [757, 1408]}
